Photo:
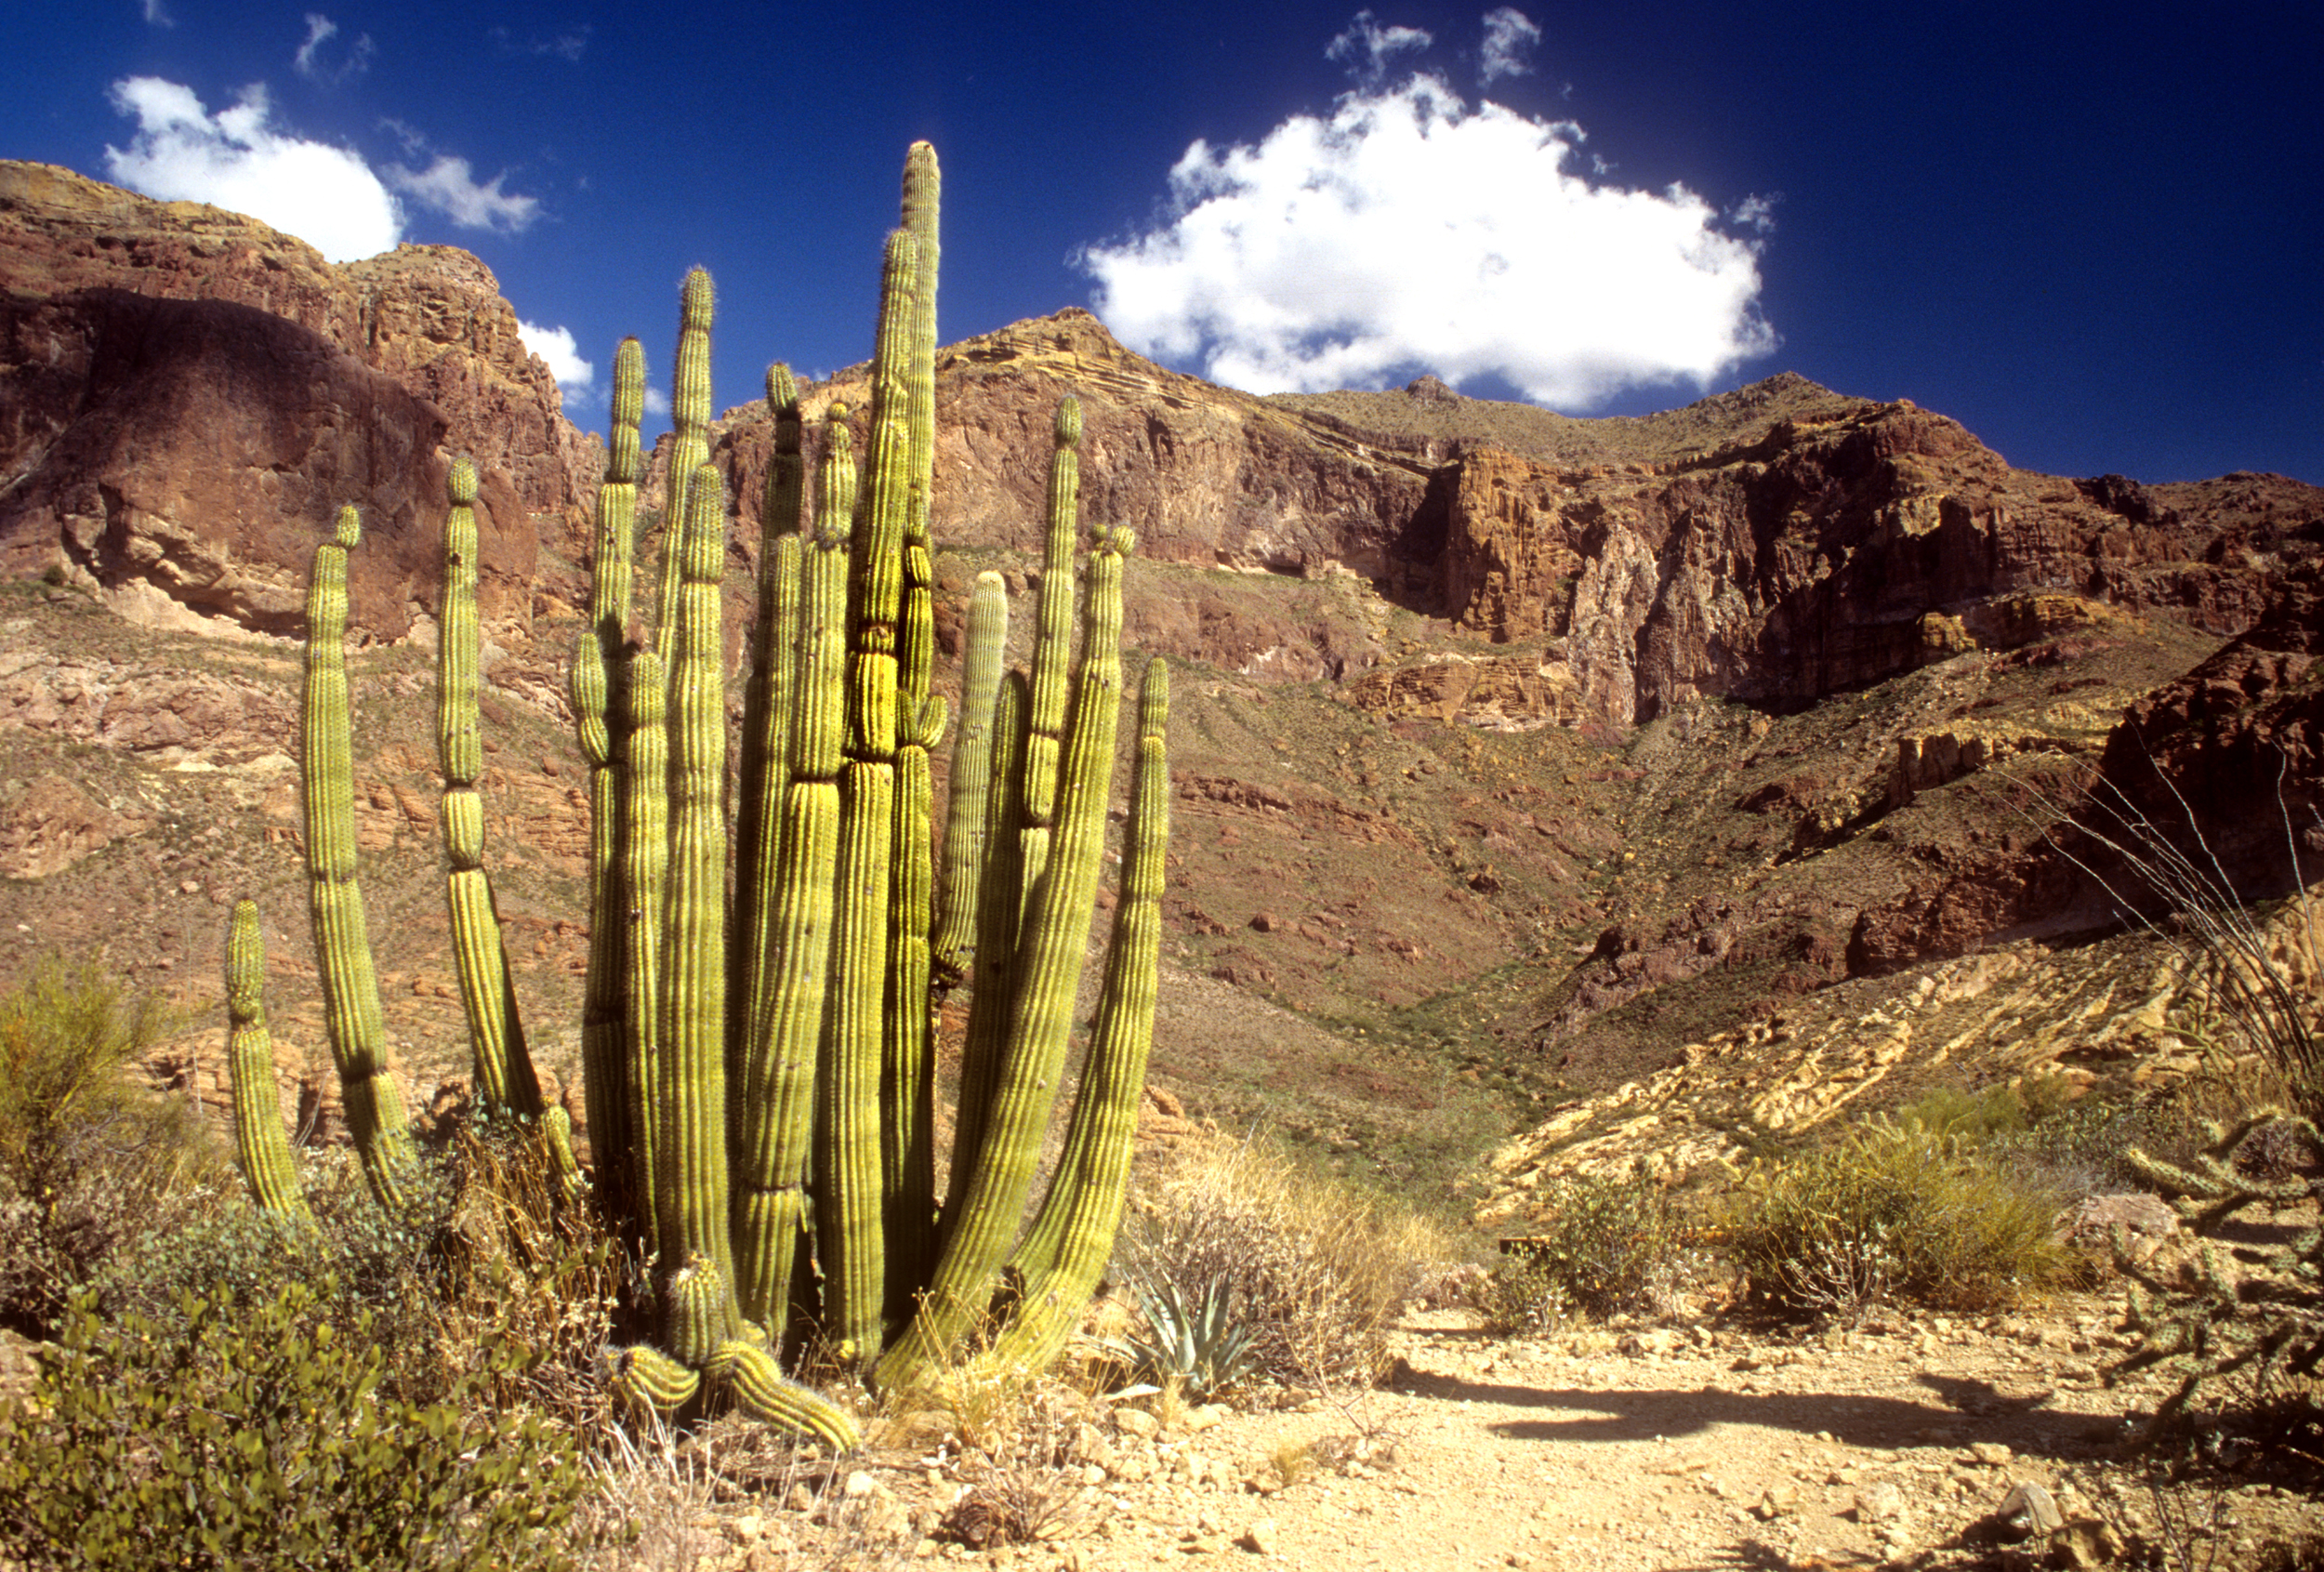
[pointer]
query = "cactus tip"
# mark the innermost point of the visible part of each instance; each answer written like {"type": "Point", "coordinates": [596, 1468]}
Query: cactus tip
{"type": "Point", "coordinates": [349, 530]}
{"type": "Point", "coordinates": [462, 483]}
{"type": "Point", "coordinates": [695, 302]}
{"type": "Point", "coordinates": [1068, 421]}
{"type": "Point", "coordinates": [781, 389]}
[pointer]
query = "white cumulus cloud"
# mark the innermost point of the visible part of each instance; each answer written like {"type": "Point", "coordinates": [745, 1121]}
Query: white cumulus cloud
{"type": "Point", "coordinates": [1408, 233]}
{"type": "Point", "coordinates": [556, 346]}
{"type": "Point", "coordinates": [450, 186]}
{"type": "Point", "coordinates": [327, 196]}
{"type": "Point", "coordinates": [1510, 36]}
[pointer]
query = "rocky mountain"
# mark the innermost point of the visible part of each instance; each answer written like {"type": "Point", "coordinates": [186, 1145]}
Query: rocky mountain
{"type": "Point", "coordinates": [1518, 756]}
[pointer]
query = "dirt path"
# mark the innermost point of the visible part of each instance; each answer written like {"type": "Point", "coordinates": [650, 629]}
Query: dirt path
{"type": "Point", "coordinates": [1602, 1451]}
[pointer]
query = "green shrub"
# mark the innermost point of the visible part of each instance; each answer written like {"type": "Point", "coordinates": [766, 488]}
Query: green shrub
{"type": "Point", "coordinates": [1318, 1269]}
{"type": "Point", "coordinates": [1610, 1246]}
{"type": "Point", "coordinates": [254, 1435]}
{"type": "Point", "coordinates": [89, 1156]}
{"type": "Point", "coordinates": [1894, 1211]}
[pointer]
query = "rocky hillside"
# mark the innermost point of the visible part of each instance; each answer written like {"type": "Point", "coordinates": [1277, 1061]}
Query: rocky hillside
{"type": "Point", "coordinates": [1518, 756]}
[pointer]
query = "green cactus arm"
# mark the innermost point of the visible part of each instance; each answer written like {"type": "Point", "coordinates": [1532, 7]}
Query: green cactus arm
{"type": "Point", "coordinates": [644, 876]}
{"type": "Point", "coordinates": [691, 1180]}
{"type": "Point", "coordinates": [376, 1115]}
{"type": "Point", "coordinates": [600, 713]}
{"type": "Point", "coordinates": [765, 765]}
{"type": "Point", "coordinates": [505, 1078]}
{"type": "Point", "coordinates": [760, 1389]}
{"type": "Point", "coordinates": [999, 916]}
{"type": "Point", "coordinates": [775, 1120]}
{"type": "Point", "coordinates": [259, 1140]}
{"type": "Point", "coordinates": [689, 425]}
{"type": "Point", "coordinates": [955, 936]}
{"type": "Point", "coordinates": [1052, 643]}
{"type": "Point", "coordinates": [645, 1379]}
{"type": "Point", "coordinates": [1050, 954]}
{"type": "Point", "coordinates": [877, 555]}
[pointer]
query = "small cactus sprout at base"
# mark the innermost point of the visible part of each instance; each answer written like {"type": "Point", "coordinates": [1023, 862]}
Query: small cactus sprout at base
{"type": "Point", "coordinates": [760, 1071]}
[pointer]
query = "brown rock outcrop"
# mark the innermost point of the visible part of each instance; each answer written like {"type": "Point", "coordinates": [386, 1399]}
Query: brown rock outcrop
{"type": "Point", "coordinates": [187, 395]}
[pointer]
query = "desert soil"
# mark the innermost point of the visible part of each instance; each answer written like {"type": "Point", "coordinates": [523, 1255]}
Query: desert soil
{"type": "Point", "coordinates": [1891, 1444]}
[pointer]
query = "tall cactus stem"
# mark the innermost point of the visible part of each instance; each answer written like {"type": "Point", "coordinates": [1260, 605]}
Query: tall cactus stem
{"type": "Point", "coordinates": [1065, 1250]}
{"type": "Point", "coordinates": [999, 916]}
{"type": "Point", "coordinates": [766, 726]}
{"type": "Point", "coordinates": [690, 424]}
{"type": "Point", "coordinates": [691, 1181]}
{"type": "Point", "coordinates": [908, 1074]}
{"type": "Point", "coordinates": [645, 876]}
{"type": "Point", "coordinates": [1049, 962]}
{"type": "Point", "coordinates": [376, 1115]}
{"type": "Point", "coordinates": [848, 1111]}
{"type": "Point", "coordinates": [1052, 647]}
{"type": "Point", "coordinates": [259, 1140]}
{"type": "Point", "coordinates": [777, 1119]}
{"type": "Point", "coordinates": [601, 712]}
{"type": "Point", "coordinates": [954, 939]}
{"type": "Point", "coordinates": [505, 1079]}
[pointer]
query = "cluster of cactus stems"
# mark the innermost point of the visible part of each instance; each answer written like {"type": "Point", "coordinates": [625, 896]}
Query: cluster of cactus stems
{"type": "Point", "coordinates": [757, 1036]}
{"type": "Point", "coordinates": [2258, 1320]}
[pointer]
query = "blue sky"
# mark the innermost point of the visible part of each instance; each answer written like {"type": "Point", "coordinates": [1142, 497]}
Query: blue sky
{"type": "Point", "coordinates": [2094, 234]}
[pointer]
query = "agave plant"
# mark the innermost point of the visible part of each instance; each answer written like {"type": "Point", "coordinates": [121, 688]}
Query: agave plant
{"type": "Point", "coordinates": [1196, 1344]}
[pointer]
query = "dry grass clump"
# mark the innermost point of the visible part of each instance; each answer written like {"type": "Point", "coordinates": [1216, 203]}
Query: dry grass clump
{"type": "Point", "coordinates": [1318, 1269]}
{"type": "Point", "coordinates": [1894, 1211]}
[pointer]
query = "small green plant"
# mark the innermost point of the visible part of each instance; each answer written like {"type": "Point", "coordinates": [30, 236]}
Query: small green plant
{"type": "Point", "coordinates": [1318, 1269]}
{"type": "Point", "coordinates": [253, 1435]}
{"type": "Point", "coordinates": [88, 1155]}
{"type": "Point", "coordinates": [1612, 1246]}
{"type": "Point", "coordinates": [1194, 1343]}
{"type": "Point", "coordinates": [1894, 1211]}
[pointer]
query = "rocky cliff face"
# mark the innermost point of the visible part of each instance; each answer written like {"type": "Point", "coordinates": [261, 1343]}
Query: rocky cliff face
{"type": "Point", "coordinates": [186, 394]}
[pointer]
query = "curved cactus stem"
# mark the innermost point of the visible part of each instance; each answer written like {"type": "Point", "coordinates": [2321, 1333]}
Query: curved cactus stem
{"type": "Point", "coordinates": [645, 1378]}
{"type": "Point", "coordinates": [776, 1120]}
{"type": "Point", "coordinates": [954, 937]}
{"type": "Point", "coordinates": [1049, 962]}
{"type": "Point", "coordinates": [601, 712]}
{"type": "Point", "coordinates": [691, 1186]}
{"type": "Point", "coordinates": [1065, 1251]}
{"type": "Point", "coordinates": [376, 1115]}
{"type": "Point", "coordinates": [749, 1372]}
{"type": "Point", "coordinates": [259, 1140]}
{"type": "Point", "coordinates": [505, 1079]}
{"type": "Point", "coordinates": [557, 1136]}
{"type": "Point", "coordinates": [690, 424]}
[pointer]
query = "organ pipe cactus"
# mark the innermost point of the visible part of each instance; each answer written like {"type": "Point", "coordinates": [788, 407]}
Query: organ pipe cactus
{"type": "Point", "coordinates": [258, 1138]}
{"type": "Point", "coordinates": [761, 1095]}
{"type": "Point", "coordinates": [505, 1079]}
{"type": "Point", "coordinates": [376, 1115]}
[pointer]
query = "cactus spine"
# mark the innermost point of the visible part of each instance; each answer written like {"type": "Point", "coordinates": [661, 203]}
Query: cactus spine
{"type": "Point", "coordinates": [504, 1070]}
{"type": "Point", "coordinates": [258, 1137]}
{"type": "Point", "coordinates": [735, 1073]}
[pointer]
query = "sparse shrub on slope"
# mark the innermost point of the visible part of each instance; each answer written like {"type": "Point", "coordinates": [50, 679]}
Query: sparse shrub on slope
{"type": "Point", "coordinates": [1611, 1246]}
{"type": "Point", "coordinates": [1894, 1212]}
{"type": "Point", "coordinates": [88, 1155]}
{"type": "Point", "coordinates": [253, 1435]}
{"type": "Point", "coordinates": [1316, 1269]}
